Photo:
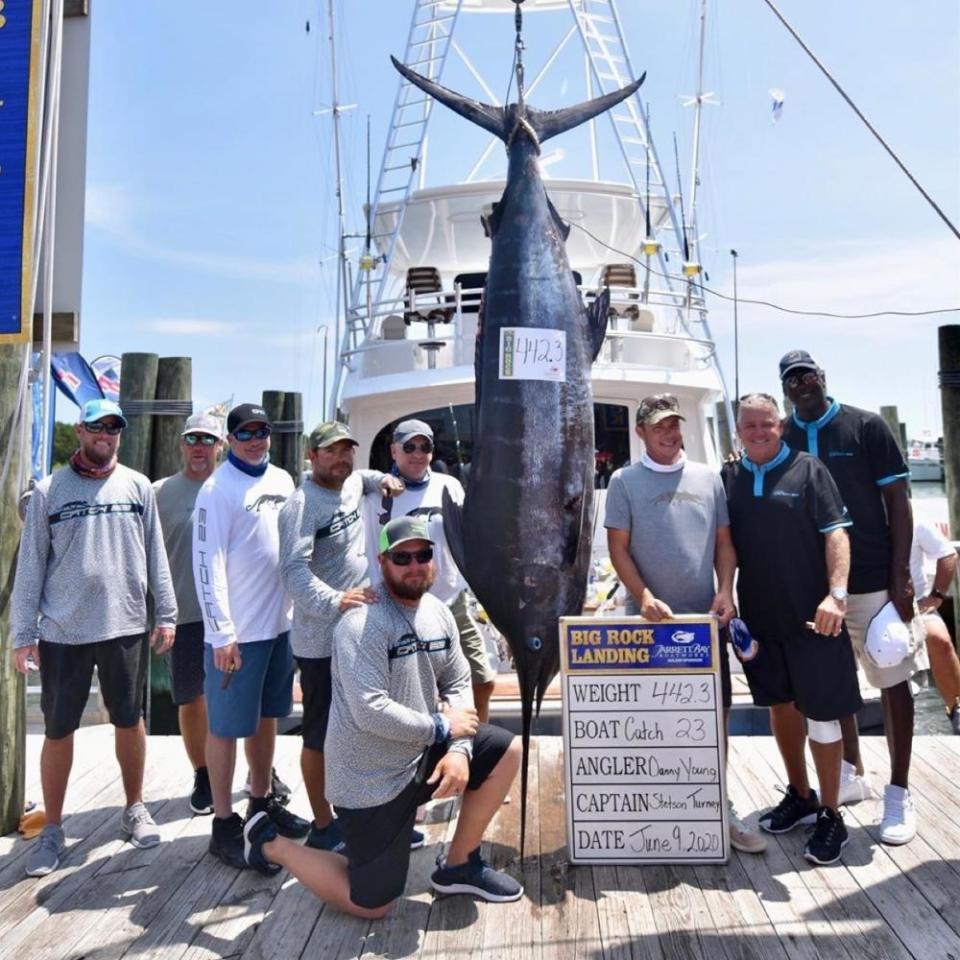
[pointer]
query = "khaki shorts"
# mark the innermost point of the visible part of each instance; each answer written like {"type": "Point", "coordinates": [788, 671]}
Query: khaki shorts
{"type": "Point", "coordinates": [861, 609]}
{"type": "Point", "coordinates": [471, 641]}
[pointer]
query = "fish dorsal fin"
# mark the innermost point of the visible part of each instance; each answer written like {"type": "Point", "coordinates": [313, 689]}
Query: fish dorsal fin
{"type": "Point", "coordinates": [598, 314]}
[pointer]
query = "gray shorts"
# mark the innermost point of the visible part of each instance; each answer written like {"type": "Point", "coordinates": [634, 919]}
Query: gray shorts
{"type": "Point", "coordinates": [185, 663]}
{"type": "Point", "coordinates": [471, 641]}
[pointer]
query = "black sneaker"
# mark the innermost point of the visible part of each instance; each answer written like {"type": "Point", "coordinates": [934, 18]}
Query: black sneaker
{"type": "Point", "coordinates": [326, 838]}
{"type": "Point", "coordinates": [201, 800]}
{"type": "Point", "coordinates": [417, 839]}
{"type": "Point", "coordinates": [790, 811]}
{"type": "Point", "coordinates": [259, 830]}
{"type": "Point", "coordinates": [829, 837]}
{"type": "Point", "coordinates": [288, 824]}
{"type": "Point", "coordinates": [226, 840]}
{"type": "Point", "coordinates": [277, 787]}
{"type": "Point", "coordinates": [476, 877]}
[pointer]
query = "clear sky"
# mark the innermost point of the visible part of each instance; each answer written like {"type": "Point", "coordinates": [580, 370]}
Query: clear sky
{"type": "Point", "coordinates": [211, 218]}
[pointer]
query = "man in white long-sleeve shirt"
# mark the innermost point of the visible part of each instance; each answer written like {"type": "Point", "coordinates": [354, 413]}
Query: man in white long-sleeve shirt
{"type": "Point", "coordinates": [90, 551]}
{"type": "Point", "coordinates": [248, 666]}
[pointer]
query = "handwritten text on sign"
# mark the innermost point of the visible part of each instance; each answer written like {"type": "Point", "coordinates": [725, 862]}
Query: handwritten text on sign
{"type": "Point", "coordinates": [533, 353]}
{"type": "Point", "coordinates": [643, 741]}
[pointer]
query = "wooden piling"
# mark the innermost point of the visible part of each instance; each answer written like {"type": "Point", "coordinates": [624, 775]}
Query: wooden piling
{"type": "Point", "coordinates": [892, 419]}
{"type": "Point", "coordinates": [138, 383]}
{"type": "Point", "coordinates": [12, 710]}
{"type": "Point", "coordinates": [174, 382]}
{"type": "Point", "coordinates": [272, 402]}
{"type": "Point", "coordinates": [723, 430]}
{"type": "Point", "coordinates": [949, 347]}
{"type": "Point", "coordinates": [293, 439]}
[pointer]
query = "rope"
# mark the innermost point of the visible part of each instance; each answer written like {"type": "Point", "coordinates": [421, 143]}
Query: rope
{"type": "Point", "coordinates": [157, 408]}
{"type": "Point", "coordinates": [288, 426]}
{"type": "Point", "coordinates": [948, 378]}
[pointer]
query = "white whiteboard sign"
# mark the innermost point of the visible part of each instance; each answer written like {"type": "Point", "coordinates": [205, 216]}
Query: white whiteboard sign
{"type": "Point", "coordinates": [533, 353]}
{"type": "Point", "coordinates": [643, 741]}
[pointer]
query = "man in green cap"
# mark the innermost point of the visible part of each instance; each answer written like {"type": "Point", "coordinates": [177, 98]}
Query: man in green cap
{"type": "Point", "coordinates": [324, 568]}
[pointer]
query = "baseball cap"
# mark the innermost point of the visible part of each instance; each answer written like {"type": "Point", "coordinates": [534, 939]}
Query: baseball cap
{"type": "Point", "coordinates": [94, 410]}
{"type": "Point", "coordinates": [411, 428]}
{"type": "Point", "coordinates": [797, 360]}
{"type": "Point", "coordinates": [401, 529]}
{"type": "Point", "coordinates": [328, 433]}
{"type": "Point", "coordinates": [246, 413]}
{"type": "Point", "coordinates": [658, 407]}
{"type": "Point", "coordinates": [889, 640]}
{"type": "Point", "coordinates": [203, 423]}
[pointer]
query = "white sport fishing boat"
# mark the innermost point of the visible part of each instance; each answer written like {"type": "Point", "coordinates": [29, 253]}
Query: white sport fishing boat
{"type": "Point", "coordinates": [925, 460]}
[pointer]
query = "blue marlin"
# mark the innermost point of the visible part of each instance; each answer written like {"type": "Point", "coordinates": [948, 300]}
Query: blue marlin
{"type": "Point", "coordinates": [523, 536]}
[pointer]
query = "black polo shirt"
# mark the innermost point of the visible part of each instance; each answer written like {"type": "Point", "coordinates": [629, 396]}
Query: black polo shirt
{"type": "Point", "coordinates": [779, 513]}
{"type": "Point", "coordinates": [862, 456]}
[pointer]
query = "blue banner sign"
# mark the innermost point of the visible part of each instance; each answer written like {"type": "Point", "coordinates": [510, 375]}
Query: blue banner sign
{"type": "Point", "coordinates": [615, 645]}
{"type": "Point", "coordinates": [19, 128]}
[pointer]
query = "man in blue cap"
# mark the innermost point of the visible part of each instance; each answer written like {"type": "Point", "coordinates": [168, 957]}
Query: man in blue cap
{"type": "Point", "coordinates": [91, 550]}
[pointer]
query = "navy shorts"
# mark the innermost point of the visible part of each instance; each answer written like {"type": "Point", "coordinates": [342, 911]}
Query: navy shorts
{"type": "Point", "coordinates": [185, 663]}
{"type": "Point", "coordinates": [317, 692]}
{"type": "Point", "coordinates": [378, 838]}
{"type": "Point", "coordinates": [262, 687]}
{"type": "Point", "coordinates": [67, 669]}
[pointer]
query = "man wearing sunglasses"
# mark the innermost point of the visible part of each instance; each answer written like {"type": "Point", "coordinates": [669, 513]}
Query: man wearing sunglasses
{"type": "Point", "coordinates": [200, 446]}
{"type": "Point", "coordinates": [91, 550]}
{"type": "Point", "coordinates": [862, 455]}
{"type": "Point", "coordinates": [248, 666]}
{"type": "Point", "coordinates": [412, 451]}
{"type": "Point", "coordinates": [324, 569]}
{"type": "Point", "coordinates": [402, 730]}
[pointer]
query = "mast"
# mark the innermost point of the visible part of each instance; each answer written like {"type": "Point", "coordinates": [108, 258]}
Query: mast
{"type": "Point", "coordinates": [697, 117]}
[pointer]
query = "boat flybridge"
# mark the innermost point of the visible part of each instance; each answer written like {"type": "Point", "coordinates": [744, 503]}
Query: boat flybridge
{"type": "Point", "coordinates": [411, 323]}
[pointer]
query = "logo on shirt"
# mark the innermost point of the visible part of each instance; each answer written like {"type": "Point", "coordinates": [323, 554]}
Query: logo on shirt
{"type": "Point", "coordinates": [81, 510]}
{"type": "Point", "coordinates": [339, 522]}
{"type": "Point", "coordinates": [679, 496]}
{"type": "Point", "coordinates": [410, 644]}
{"type": "Point", "coordinates": [841, 453]}
{"type": "Point", "coordinates": [274, 500]}
{"type": "Point", "coordinates": [784, 493]}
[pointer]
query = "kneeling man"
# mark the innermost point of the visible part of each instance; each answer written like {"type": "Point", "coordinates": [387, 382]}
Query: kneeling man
{"type": "Point", "coordinates": [402, 729]}
{"type": "Point", "coordinates": [787, 521]}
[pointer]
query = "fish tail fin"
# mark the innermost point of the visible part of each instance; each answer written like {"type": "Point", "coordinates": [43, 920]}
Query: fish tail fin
{"type": "Point", "coordinates": [453, 529]}
{"type": "Point", "coordinates": [482, 114]}
{"type": "Point", "coordinates": [597, 316]}
{"type": "Point", "coordinates": [549, 123]}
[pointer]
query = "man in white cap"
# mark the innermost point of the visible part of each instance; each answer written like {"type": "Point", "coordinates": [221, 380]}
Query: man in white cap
{"type": "Point", "coordinates": [412, 451]}
{"type": "Point", "coordinates": [200, 446]}
{"type": "Point", "coordinates": [91, 550]}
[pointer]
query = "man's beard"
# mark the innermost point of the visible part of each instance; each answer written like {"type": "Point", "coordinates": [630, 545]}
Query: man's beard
{"type": "Point", "coordinates": [408, 591]}
{"type": "Point", "coordinates": [92, 455]}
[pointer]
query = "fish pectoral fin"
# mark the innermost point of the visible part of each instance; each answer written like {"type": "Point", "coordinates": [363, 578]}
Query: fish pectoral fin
{"type": "Point", "coordinates": [597, 315]}
{"type": "Point", "coordinates": [562, 226]}
{"type": "Point", "coordinates": [453, 530]}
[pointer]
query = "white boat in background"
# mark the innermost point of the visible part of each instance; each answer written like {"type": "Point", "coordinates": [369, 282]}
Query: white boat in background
{"type": "Point", "coordinates": [925, 460]}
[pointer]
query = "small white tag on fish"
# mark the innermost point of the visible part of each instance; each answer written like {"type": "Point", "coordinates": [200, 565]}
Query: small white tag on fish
{"type": "Point", "coordinates": [533, 353]}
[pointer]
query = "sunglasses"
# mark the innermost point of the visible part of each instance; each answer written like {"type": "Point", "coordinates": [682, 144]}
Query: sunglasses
{"type": "Point", "coordinates": [244, 435]}
{"type": "Point", "coordinates": [403, 558]}
{"type": "Point", "coordinates": [411, 447]}
{"type": "Point", "coordinates": [112, 431]}
{"type": "Point", "coordinates": [806, 379]}
{"type": "Point", "coordinates": [206, 439]}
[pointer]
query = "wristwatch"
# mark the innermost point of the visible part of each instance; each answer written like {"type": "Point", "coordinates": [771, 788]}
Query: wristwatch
{"type": "Point", "coordinates": [839, 594]}
{"type": "Point", "coordinates": [938, 595]}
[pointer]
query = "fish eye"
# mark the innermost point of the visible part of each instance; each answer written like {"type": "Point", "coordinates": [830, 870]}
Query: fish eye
{"type": "Point", "coordinates": [535, 643]}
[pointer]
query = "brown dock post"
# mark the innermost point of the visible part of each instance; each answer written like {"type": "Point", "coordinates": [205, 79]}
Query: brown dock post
{"type": "Point", "coordinates": [138, 387]}
{"type": "Point", "coordinates": [892, 420]}
{"type": "Point", "coordinates": [174, 382]}
{"type": "Point", "coordinates": [723, 430]}
{"type": "Point", "coordinates": [12, 706]}
{"type": "Point", "coordinates": [293, 435]}
{"type": "Point", "coordinates": [949, 376]}
{"type": "Point", "coordinates": [272, 402]}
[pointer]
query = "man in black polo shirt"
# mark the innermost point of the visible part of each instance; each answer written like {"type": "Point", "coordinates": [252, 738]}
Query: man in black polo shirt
{"type": "Point", "coordinates": [788, 525]}
{"type": "Point", "coordinates": [863, 458]}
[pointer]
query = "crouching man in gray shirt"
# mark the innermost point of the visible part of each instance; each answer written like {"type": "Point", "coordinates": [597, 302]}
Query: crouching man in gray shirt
{"type": "Point", "coordinates": [402, 729]}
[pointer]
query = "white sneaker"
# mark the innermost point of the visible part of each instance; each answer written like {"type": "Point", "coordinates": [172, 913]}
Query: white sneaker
{"type": "Point", "coordinates": [899, 824]}
{"type": "Point", "coordinates": [742, 838]}
{"type": "Point", "coordinates": [853, 786]}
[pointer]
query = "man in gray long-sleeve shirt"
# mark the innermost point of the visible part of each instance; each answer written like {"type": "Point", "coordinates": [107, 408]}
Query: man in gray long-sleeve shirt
{"type": "Point", "coordinates": [90, 550]}
{"type": "Point", "coordinates": [402, 730]}
{"type": "Point", "coordinates": [324, 568]}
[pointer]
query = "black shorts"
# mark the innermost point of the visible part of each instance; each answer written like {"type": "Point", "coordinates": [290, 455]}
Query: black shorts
{"type": "Point", "coordinates": [317, 691]}
{"type": "Point", "coordinates": [378, 838]}
{"type": "Point", "coordinates": [817, 673]}
{"type": "Point", "coordinates": [726, 685]}
{"type": "Point", "coordinates": [67, 669]}
{"type": "Point", "coordinates": [185, 663]}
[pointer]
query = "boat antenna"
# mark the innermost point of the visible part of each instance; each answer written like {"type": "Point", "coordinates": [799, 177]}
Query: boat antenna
{"type": "Point", "coordinates": [519, 48]}
{"type": "Point", "coordinates": [683, 221]}
{"type": "Point", "coordinates": [647, 200]}
{"type": "Point", "coordinates": [698, 101]}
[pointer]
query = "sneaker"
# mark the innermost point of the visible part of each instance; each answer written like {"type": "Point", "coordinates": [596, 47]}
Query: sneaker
{"type": "Point", "coordinates": [954, 716]}
{"type": "Point", "coordinates": [46, 851]}
{"type": "Point", "coordinates": [790, 811]}
{"type": "Point", "coordinates": [417, 839]}
{"type": "Point", "coordinates": [742, 838]}
{"type": "Point", "coordinates": [326, 838]}
{"type": "Point", "coordinates": [259, 829]}
{"type": "Point", "coordinates": [829, 837]}
{"type": "Point", "coordinates": [277, 787]}
{"type": "Point", "coordinates": [226, 840]}
{"type": "Point", "coordinates": [476, 877]}
{"type": "Point", "coordinates": [139, 827]}
{"type": "Point", "coordinates": [201, 800]}
{"type": "Point", "coordinates": [899, 824]}
{"type": "Point", "coordinates": [288, 824]}
{"type": "Point", "coordinates": [853, 786]}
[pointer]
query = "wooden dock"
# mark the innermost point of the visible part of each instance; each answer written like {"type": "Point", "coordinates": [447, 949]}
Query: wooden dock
{"type": "Point", "coordinates": [109, 900]}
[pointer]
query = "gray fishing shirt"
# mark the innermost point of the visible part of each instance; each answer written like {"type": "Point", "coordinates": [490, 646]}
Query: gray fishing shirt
{"type": "Point", "coordinates": [176, 496]}
{"type": "Point", "coordinates": [90, 551]}
{"type": "Point", "coordinates": [322, 553]}
{"type": "Point", "coordinates": [391, 666]}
